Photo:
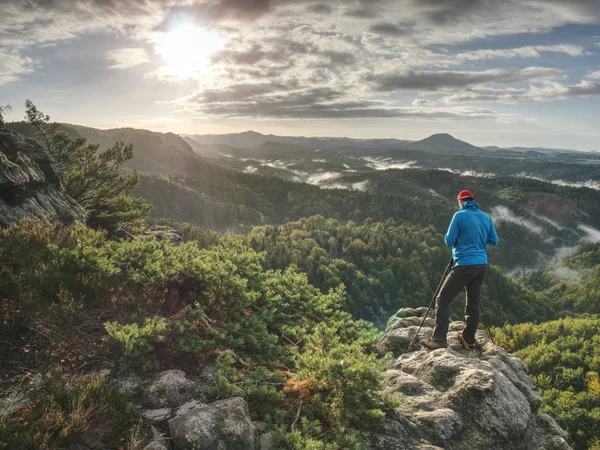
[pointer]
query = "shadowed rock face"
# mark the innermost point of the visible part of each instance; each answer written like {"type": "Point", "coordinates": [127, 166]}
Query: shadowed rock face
{"type": "Point", "coordinates": [29, 184]}
{"type": "Point", "coordinates": [454, 399]}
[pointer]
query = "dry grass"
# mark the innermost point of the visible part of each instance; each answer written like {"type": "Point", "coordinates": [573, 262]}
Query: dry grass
{"type": "Point", "coordinates": [137, 437]}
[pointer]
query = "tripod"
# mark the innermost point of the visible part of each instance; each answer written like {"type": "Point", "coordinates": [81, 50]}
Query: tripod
{"type": "Point", "coordinates": [437, 291]}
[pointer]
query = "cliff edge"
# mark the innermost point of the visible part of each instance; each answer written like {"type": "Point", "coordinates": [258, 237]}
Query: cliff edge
{"type": "Point", "coordinates": [30, 186]}
{"type": "Point", "coordinates": [453, 399]}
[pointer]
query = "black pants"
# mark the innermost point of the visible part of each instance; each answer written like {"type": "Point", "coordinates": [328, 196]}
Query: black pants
{"type": "Point", "coordinates": [471, 279]}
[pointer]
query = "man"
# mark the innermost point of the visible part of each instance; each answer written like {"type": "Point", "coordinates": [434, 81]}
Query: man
{"type": "Point", "coordinates": [468, 234]}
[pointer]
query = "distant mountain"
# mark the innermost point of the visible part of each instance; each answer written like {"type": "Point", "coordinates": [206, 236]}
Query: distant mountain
{"type": "Point", "coordinates": [153, 152]}
{"type": "Point", "coordinates": [442, 143]}
{"type": "Point", "coordinates": [251, 139]}
{"type": "Point", "coordinates": [533, 149]}
{"type": "Point", "coordinates": [210, 150]}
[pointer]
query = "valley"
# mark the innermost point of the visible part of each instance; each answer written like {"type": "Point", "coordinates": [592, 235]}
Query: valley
{"type": "Point", "coordinates": [355, 224]}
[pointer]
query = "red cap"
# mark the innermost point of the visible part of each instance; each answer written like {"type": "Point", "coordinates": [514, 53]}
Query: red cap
{"type": "Point", "coordinates": [465, 194]}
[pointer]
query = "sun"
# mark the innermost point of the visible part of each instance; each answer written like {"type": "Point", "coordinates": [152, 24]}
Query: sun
{"type": "Point", "coordinates": [187, 49]}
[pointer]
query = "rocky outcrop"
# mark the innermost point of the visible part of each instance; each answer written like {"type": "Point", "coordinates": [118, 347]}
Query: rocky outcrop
{"type": "Point", "coordinates": [169, 389]}
{"type": "Point", "coordinates": [158, 232]}
{"type": "Point", "coordinates": [192, 424]}
{"type": "Point", "coordinates": [29, 184]}
{"type": "Point", "coordinates": [222, 425]}
{"type": "Point", "coordinates": [453, 399]}
{"type": "Point", "coordinates": [164, 233]}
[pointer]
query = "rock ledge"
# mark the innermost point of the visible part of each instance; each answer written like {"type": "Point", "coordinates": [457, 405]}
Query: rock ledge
{"type": "Point", "coordinates": [454, 399]}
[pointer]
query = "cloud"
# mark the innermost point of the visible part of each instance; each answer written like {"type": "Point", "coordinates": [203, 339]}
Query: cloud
{"type": "Point", "coordinates": [322, 177]}
{"type": "Point", "coordinates": [591, 184]}
{"type": "Point", "coordinates": [592, 235]}
{"type": "Point", "coordinates": [126, 58]}
{"type": "Point", "coordinates": [339, 58]}
{"type": "Point", "coordinates": [361, 186]}
{"type": "Point", "coordinates": [469, 173]}
{"type": "Point", "coordinates": [547, 91]}
{"type": "Point", "coordinates": [594, 75]}
{"type": "Point", "coordinates": [440, 80]}
{"type": "Point", "coordinates": [423, 102]}
{"type": "Point", "coordinates": [434, 21]}
{"type": "Point", "coordinates": [504, 214]}
{"type": "Point", "coordinates": [361, 13]}
{"type": "Point", "coordinates": [320, 8]}
{"type": "Point", "coordinates": [388, 163]}
{"type": "Point", "coordinates": [238, 92]}
{"type": "Point", "coordinates": [422, 57]}
{"type": "Point", "coordinates": [278, 101]}
{"type": "Point", "coordinates": [241, 57]}
{"type": "Point", "coordinates": [13, 66]}
{"type": "Point", "coordinates": [315, 59]}
{"type": "Point", "coordinates": [390, 29]}
{"type": "Point", "coordinates": [529, 51]}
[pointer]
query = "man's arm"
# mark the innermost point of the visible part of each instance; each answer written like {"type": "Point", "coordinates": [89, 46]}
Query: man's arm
{"type": "Point", "coordinates": [453, 230]}
{"type": "Point", "coordinates": [492, 235]}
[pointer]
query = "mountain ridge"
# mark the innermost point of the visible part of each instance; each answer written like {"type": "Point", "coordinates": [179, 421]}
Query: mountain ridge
{"type": "Point", "coordinates": [252, 138]}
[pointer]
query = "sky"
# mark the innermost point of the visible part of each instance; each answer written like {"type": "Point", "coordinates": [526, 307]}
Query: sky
{"type": "Point", "coordinates": [506, 73]}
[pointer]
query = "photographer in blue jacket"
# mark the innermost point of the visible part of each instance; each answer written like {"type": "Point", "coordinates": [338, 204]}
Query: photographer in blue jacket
{"type": "Point", "coordinates": [468, 234]}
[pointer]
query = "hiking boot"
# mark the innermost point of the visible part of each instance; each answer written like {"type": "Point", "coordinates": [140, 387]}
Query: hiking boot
{"type": "Point", "coordinates": [465, 343]}
{"type": "Point", "coordinates": [433, 345]}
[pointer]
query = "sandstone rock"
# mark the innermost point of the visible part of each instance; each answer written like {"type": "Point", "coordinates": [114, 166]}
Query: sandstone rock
{"type": "Point", "coordinates": [30, 186]}
{"type": "Point", "coordinates": [14, 402]}
{"type": "Point", "coordinates": [21, 391]}
{"type": "Point", "coordinates": [222, 425]}
{"type": "Point", "coordinates": [455, 400]}
{"type": "Point", "coordinates": [131, 384]}
{"type": "Point", "coordinates": [157, 415]}
{"type": "Point", "coordinates": [157, 445]}
{"type": "Point", "coordinates": [168, 389]}
{"type": "Point", "coordinates": [163, 233]}
{"type": "Point", "coordinates": [266, 442]}
{"type": "Point", "coordinates": [159, 441]}
{"type": "Point", "coordinates": [160, 233]}
{"type": "Point", "coordinates": [394, 434]}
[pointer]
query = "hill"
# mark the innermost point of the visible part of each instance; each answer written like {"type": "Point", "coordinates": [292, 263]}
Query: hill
{"type": "Point", "coordinates": [154, 152]}
{"type": "Point", "coordinates": [443, 143]}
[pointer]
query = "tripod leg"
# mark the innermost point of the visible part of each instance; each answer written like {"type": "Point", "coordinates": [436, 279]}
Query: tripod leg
{"type": "Point", "coordinates": [437, 291]}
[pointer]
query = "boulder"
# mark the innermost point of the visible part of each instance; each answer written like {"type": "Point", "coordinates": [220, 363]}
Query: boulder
{"type": "Point", "coordinates": [222, 425]}
{"type": "Point", "coordinates": [30, 185]}
{"type": "Point", "coordinates": [160, 233]}
{"type": "Point", "coordinates": [454, 399]}
{"type": "Point", "coordinates": [266, 442]}
{"type": "Point", "coordinates": [159, 441]}
{"type": "Point", "coordinates": [164, 233]}
{"type": "Point", "coordinates": [130, 384]}
{"type": "Point", "coordinates": [169, 389]}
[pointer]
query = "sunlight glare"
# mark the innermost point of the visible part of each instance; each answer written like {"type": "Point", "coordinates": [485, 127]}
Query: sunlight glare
{"type": "Point", "coordinates": [188, 49]}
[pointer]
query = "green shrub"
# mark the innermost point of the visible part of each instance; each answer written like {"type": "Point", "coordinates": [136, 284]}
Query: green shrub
{"type": "Point", "coordinates": [68, 410]}
{"type": "Point", "coordinates": [138, 341]}
{"type": "Point", "coordinates": [562, 356]}
{"type": "Point", "coordinates": [259, 386]}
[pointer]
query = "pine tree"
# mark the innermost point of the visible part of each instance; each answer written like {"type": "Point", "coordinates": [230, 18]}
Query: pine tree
{"type": "Point", "coordinates": [96, 180]}
{"type": "Point", "coordinates": [3, 111]}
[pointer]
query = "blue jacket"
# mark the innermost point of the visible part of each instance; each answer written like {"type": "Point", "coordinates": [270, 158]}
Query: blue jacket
{"type": "Point", "coordinates": [468, 234]}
